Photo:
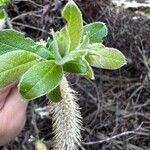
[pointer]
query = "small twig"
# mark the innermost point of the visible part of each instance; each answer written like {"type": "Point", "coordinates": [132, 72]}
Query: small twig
{"type": "Point", "coordinates": [32, 2]}
{"type": "Point", "coordinates": [29, 26]}
{"type": "Point", "coordinates": [25, 14]}
{"type": "Point", "coordinates": [110, 138]}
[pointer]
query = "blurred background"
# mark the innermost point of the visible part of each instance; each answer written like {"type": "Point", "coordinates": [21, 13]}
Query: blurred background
{"type": "Point", "coordinates": [116, 106]}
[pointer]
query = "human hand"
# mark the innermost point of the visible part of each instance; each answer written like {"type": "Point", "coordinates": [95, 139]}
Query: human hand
{"type": "Point", "coordinates": [12, 113]}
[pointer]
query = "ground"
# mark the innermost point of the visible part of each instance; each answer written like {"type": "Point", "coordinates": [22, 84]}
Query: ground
{"type": "Point", "coordinates": [116, 106]}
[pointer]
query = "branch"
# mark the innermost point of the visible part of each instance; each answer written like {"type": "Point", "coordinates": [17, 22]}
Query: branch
{"type": "Point", "coordinates": [110, 138]}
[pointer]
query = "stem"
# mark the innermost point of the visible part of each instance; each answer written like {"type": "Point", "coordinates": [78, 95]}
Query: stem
{"type": "Point", "coordinates": [66, 119]}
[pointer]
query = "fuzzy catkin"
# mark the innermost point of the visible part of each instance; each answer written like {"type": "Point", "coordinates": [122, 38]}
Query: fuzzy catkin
{"type": "Point", "coordinates": [66, 118]}
{"type": "Point", "coordinates": [2, 23]}
{"type": "Point", "coordinates": [39, 145]}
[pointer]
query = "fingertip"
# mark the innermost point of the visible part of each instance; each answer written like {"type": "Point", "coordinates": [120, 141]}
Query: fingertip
{"type": "Point", "coordinates": [7, 88]}
{"type": "Point", "coordinates": [12, 116]}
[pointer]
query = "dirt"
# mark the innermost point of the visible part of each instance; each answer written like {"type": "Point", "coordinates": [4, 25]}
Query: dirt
{"type": "Point", "coordinates": [117, 101]}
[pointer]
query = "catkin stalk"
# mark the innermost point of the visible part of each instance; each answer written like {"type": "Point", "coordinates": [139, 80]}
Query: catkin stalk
{"type": "Point", "coordinates": [66, 119]}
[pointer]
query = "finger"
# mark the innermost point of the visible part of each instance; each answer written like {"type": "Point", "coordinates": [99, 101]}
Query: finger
{"type": "Point", "coordinates": [4, 93]}
{"type": "Point", "coordinates": [12, 116]}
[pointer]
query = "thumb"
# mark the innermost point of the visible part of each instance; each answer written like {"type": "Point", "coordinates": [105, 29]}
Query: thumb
{"type": "Point", "coordinates": [4, 93]}
{"type": "Point", "coordinates": [12, 115]}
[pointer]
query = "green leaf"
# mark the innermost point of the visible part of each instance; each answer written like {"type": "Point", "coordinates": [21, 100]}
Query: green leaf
{"type": "Point", "coordinates": [4, 2]}
{"type": "Point", "coordinates": [97, 31]}
{"type": "Point", "coordinates": [14, 64]}
{"type": "Point", "coordinates": [93, 48]}
{"type": "Point", "coordinates": [107, 58]}
{"type": "Point", "coordinates": [54, 47]}
{"type": "Point", "coordinates": [77, 66]}
{"type": "Point", "coordinates": [55, 95]}
{"type": "Point", "coordinates": [11, 40]}
{"type": "Point", "coordinates": [48, 42]}
{"type": "Point", "coordinates": [40, 79]}
{"type": "Point", "coordinates": [85, 42]}
{"type": "Point", "coordinates": [74, 19]}
{"type": "Point", "coordinates": [63, 40]}
{"type": "Point", "coordinates": [43, 52]}
{"type": "Point", "coordinates": [77, 54]}
{"type": "Point", "coordinates": [73, 55]}
{"type": "Point", "coordinates": [2, 14]}
{"type": "Point", "coordinates": [90, 73]}
{"type": "Point", "coordinates": [51, 49]}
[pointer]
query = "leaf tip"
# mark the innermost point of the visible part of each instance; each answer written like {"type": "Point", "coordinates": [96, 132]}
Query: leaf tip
{"type": "Point", "coordinates": [92, 78]}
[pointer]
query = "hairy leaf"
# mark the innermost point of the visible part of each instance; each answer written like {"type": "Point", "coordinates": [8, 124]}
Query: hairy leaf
{"type": "Point", "coordinates": [55, 95]}
{"type": "Point", "coordinates": [85, 42]}
{"type": "Point", "coordinates": [51, 49]}
{"type": "Point", "coordinates": [90, 73]}
{"type": "Point", "coordinates": [4, 2]}
{"type": "Point", "coordinates": [2, 14]}
{"type": "Point", "coordinates": [11, 40]}
{"type": "Point", "coordinates": [73, 16]}
{"type": "Point", "coordinates": [93, 48]}
{"type": "Point", "coordinates": [107, 58]}
{"type": "Point", "coordinates": [77, 66]}
{"type": "Point", "coordinates": [54, 47]}
{"type": "Point", "coordinates": [96, 31]}
{"type": "Point", "coordinates": [14, 64]}
{"type": "Point", "coordinates": [40, 79]}
{"type": "Point", "coordinates": [73, 55]}
{"type": "Point", "coordinates": [63, 40]}
{"type": "Point", "coordinates": [43, 52]}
